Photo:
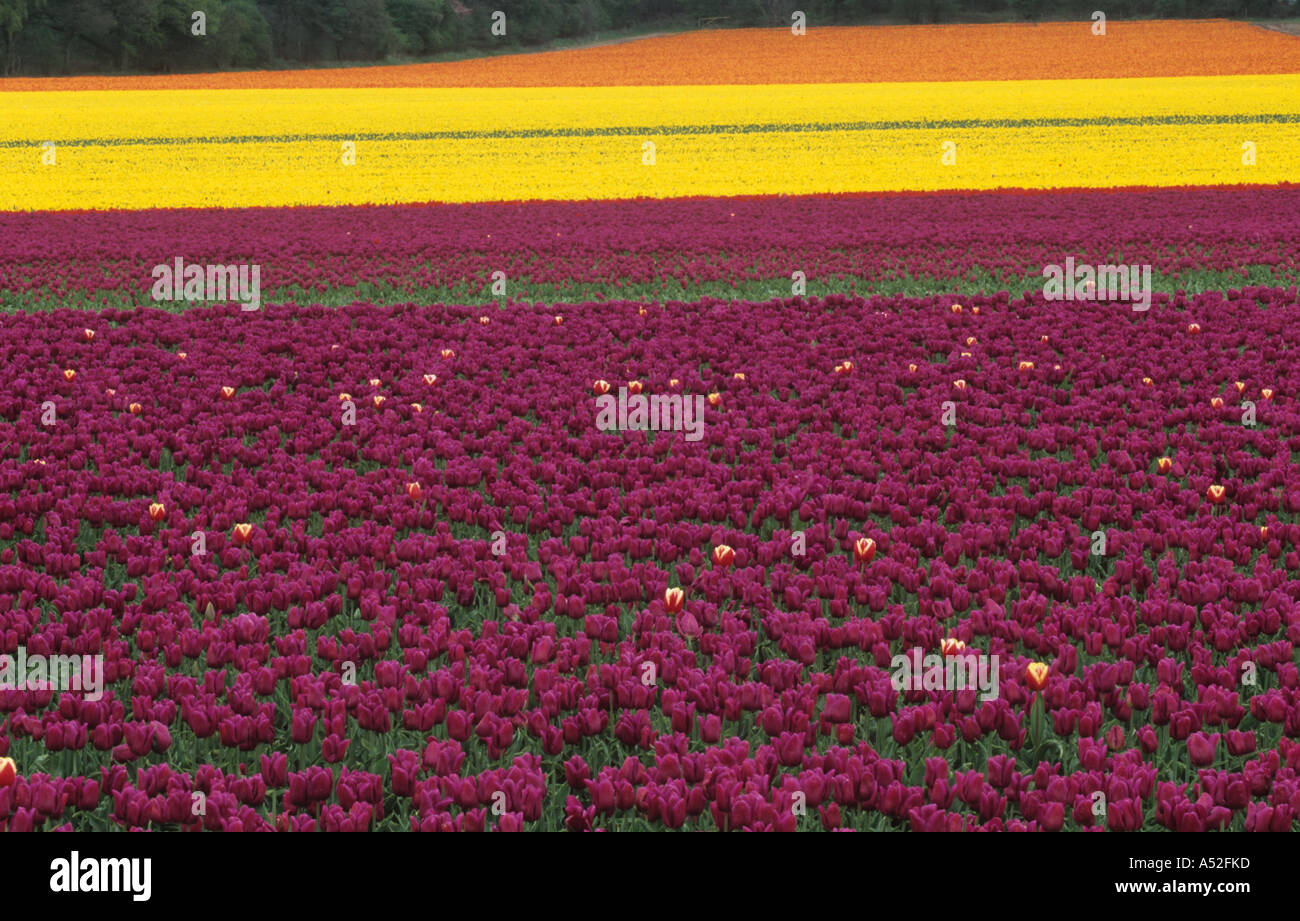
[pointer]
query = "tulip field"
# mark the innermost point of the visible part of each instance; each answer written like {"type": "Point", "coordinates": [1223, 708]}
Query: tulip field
{"type": "Point", "coordinates": [361, 558]}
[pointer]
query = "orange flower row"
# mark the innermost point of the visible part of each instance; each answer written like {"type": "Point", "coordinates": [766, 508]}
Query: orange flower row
{"type": "Point", "coordinates": [826, 54]}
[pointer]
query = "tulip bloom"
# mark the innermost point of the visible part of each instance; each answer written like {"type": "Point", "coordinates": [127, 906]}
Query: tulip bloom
{"type": "Point", "coordinates": [739, 375]}
{"type": "Point", "coordinates": [951, 646]}
{"type": "Point", "coordinates": [1036, 675]}
{"type": "Point", "coordinates": [559, 320]}
{"type": "Point", "coordinates": [601, 387]}
{"type": "Point", "coordinates": [374, 382]}
{"type": "Point", "coordinates": [1267, 393]}
{"type": "Point", "coordinates": [959, 384]}
{"type": "Point", "coordinates": [431, 379]}
{"type": "Point", "coordinates": [1216, 493]}
{"type": "Point", "coordinates": [1217, 403]}
{"type": "Point", "coordinates": [723, 555]}
{"type": "Point", "coordinates": [135, 409]}
{"type": "Point", "coordinates": [1026, 366]}
{"type": "Point", "coordinates": [1240, 385]}
{"type": "Point", "coordinates": [1193, 328]}
{"type": "Point", "coordinates": [864, 549]}
{"type": "Point", "coordinates": [1263, 531]}
{"type": "Point", "coordinates": [182, 355]}
{"type": "Point", "coordinates": [243, 533]}
{"type": "Point", "coordinates": [69, 374]}
{"type": "Point", "coordinates": [413, 490]}
{"type": "Point", "coordinates": [1043, 339]}
{"type": "Point", "coordinates": [417, 407]}
{"type": "Point", "coordinates": [227, 393]}
{"type": "Point", "coordinates": [344, 397]}
{"type": "Point", "coordinates": [674, 598]}
{"type": "Point", "coordinates": [975, 310]}
{"type": "Point", "coordinates": [715, 399]}
{"type": "Point", "coordinates": [1164, 464]}
{"type": "Point", "coordinates": [911, 369]}
{"type": "Point", "coordinates": [970, 340]}
{"type": "Point", "coordinates": [634, 386]}
{"type": "Point", "coordinates": [674, 383]}
{"type": "Point", "coordinates": [87, 334]}
{"type": "Point", "coordinates": [8, 772]}
{"type": "Point", "coordinates": [378, 399]}
{"type": "Point", "coordinates": [157, 511]}
{"type": "Point", "coordinates": [1147, 382]}
{"type": "Point", "coordinates": [448, 353]}
{"type": "Point", "coordinates": [956, 308]}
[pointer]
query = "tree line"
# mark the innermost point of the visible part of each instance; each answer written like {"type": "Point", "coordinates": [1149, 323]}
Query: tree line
{"type": "Point", "coordinates": [54, 37]}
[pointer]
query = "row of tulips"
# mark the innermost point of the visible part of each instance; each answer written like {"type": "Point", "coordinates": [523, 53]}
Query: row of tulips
{"type": "Point", "coordinates": [995, 239]}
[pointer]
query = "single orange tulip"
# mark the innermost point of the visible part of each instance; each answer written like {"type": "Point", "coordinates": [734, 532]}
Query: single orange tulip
{"type": "Point", "coordinates": [8, 772]}
{"type": "Point", "coordinates": [864, 549]}
{"type": "Point", "coordinates": [1217, 403]}
{"type": "Point", "coordinates": [135, 409]}
{"type": "Point", "coordinates": [227, 393]}
{"type": "Point", "coordinates": [1193, 328]}
{"type": "Point", "coordinates": [715, 399]}
{"type": "Point", "coordinates": [413, 490]}
{"type": "Point", "coordinates": [87, 334]}
{"type": "Point", "coordinates": [243, 533]}
{"type": "Point", "coordinates": [431, 379]}
{"type": "Point", "coordinates": [959, 384]}
{"type": "Point", "coordinates": [1216, 493]}
{"type": "Point", "coordinates": [634, 386]}
{"type": "Point", "coordinates": [378, 399]}
{"type": "Point", "coordinates": [448, 353]}
{"type": "Point", "coordinates": [723, 555]}
{"type": "Point", "coordinates": [951, 646]}
{"type": "Point", "coordinates": [1164, 464]}
{"type": "Point", "coordinates": [157, 511]}
{"type": "Point", "coordinates": [1036, 675]}
{"type": "Point", "coordinates": [674, 598]}
{"type": "Point", "coordinates": [69, 374]}
{"type": "Point", "coordinates": [600, 387]}
{"type": "Point", "coordinates": [1267, 393]}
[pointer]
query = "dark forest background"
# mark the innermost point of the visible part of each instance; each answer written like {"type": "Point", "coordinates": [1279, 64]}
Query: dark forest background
{"type": "Point", "coordinates": [51, 37]}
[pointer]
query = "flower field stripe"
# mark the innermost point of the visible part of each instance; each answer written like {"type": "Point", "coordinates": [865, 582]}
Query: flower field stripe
{"type": "Point", "coordinates": [675, 130]}
{"type": "Point", "coordinates": [282, 148]}
{"type": "Point", "coordinates": [826, 54]}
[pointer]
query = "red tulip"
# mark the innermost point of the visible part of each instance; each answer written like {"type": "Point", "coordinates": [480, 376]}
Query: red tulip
{"type": "Point", "coordinates": [413, 490]}
{"type": "Point", "coordinates": [715, 399]}
{"type": "Point", "coordinates": [243, 533]}
{"type": "Point", "coordinates": [600, 387]}
{"type": "Point", "coordinates": [8, 772]}
{"type": "Point", "coordinates": [674, 598]}
{"type": "Point", "coordinates": [1164, 464]}
{"type": "Point", "coordinates": [559, 320]}
{"type": "Point", "coordinates": [227, 392]}
{"type": "Point", "coordinates": [157, 511]}
{"type": "Point", "coordinates": [951, 646]}
{"type": "Point", "coordinates": [723, 555]}
{"type": "Point", "coordinates": [87, 334]}
{"type": "Point", "coordinates": [431, 379]}
{"type": "Point", "coordinates": [69, 374]}
{"type": "Point", "coordinates": [135, 409]}
{"type": "Point", "coordinates": [1216, 493]}
{"type": "Point", "coordinates": [864, 549]}
{"type": "Point", "coordinates": [448, 353]}
{"type": "Point", "coordinates": [1217, 403]}
{"type": "Point", "coordinates": [1193, 328]}
{"type": "Point", "coordinates": [634, 386]}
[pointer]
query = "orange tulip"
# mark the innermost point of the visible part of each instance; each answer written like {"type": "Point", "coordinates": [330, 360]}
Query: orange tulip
{"type": "Point", "coordinates": [431, 379]}
{"type": "Point", "coordinates": [1164, 465]}
{"type": "Point", "coordinates": [1036, 675]}
{"type": "Point", "coordinates": [413, 490]}
{"type": "Point", "coordinates": [634, 386]}
{"type": "Point", "coordinates": [600, 387]}
{"type": "Point", "coordinates": [227, 393]}
{"type": "Point", "coordinates": [911, 369]}
{"type": "Point", "coordinates": [970, 340]}
{"type": "Point", "coordinates": [975, 310]}
{"type": "Point", "coordinates": [182, 355]}
{"type": "Point", "coordinates": [243, 533]}
{"type": "Point", "coordinates": [559, 320]}
{"type": "Point", "coordinates": [417, 407]}
{"type": "Point", "coordinates": [739, 375]}
{"type": "Point", "coordinates": [87, 334]}
{"type": "Point", "coordinates": [951, 646]}
{"type": "Point", "coordinates": [1193, 328]}
{"type": "Point", "coordinates": [674, 383]}
{"type": "Point", "coordinates": [135, 409]}
{"type": "Point", "coordinates": [1267, 393]}
{"type": "Point", "coordinates": [959, 384]}
{"type": "Point", "coordinates": [864, 549]}
{"type": "Point", "coordinates": [723, 555]}
{"type": "Point", "coordinates": [1217, 403]}
{"type": "Point", "coordinates": [715, 399]}
{"type": "Point", "coordinates": [344, 397]}
{"type": "Point", "coordinates": [1044, 340]}
{"type": "Point", "coordinates": [334, 346]}
{"type": "Point", "coordinates": [157, 511]}
{"type": "Point", "coordinates": [642, 311]}
{"type": "Point", "coordinates": [448, 353]}
{"type": "Point", "coordinates": [1263, 531]}
{"type": "Point", "coordinates": [956, 308]}
{"type": "Point", "coordinates": [40, 461]}
{"type": "Point", "coordinates": [1146, 381]}
{"type": "Point", "coordinates": [1216, 493]}
{"type": "Point", "coordinates": [1240, 385]}
{"type": "Point", "coordinates": [8, 772]}
{"type": "Point", "coordinates": [374, 382]}
{"type": "Point", "coordinates": [965, 354]}
{"type": "Point", "coordinates": [378, 399]}
{"type": "Point", "coordinates": [1026, 366]}
{"type": "Point", "coordinates": [674, 598]}
{"type": "Point", "coordinates": [69, 374]}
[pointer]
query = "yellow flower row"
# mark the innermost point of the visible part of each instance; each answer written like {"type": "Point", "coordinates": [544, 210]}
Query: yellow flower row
{"type": "Point", "coordinates": [293, 114]}
{"type": "Point", "coordinates": [791, 163]}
